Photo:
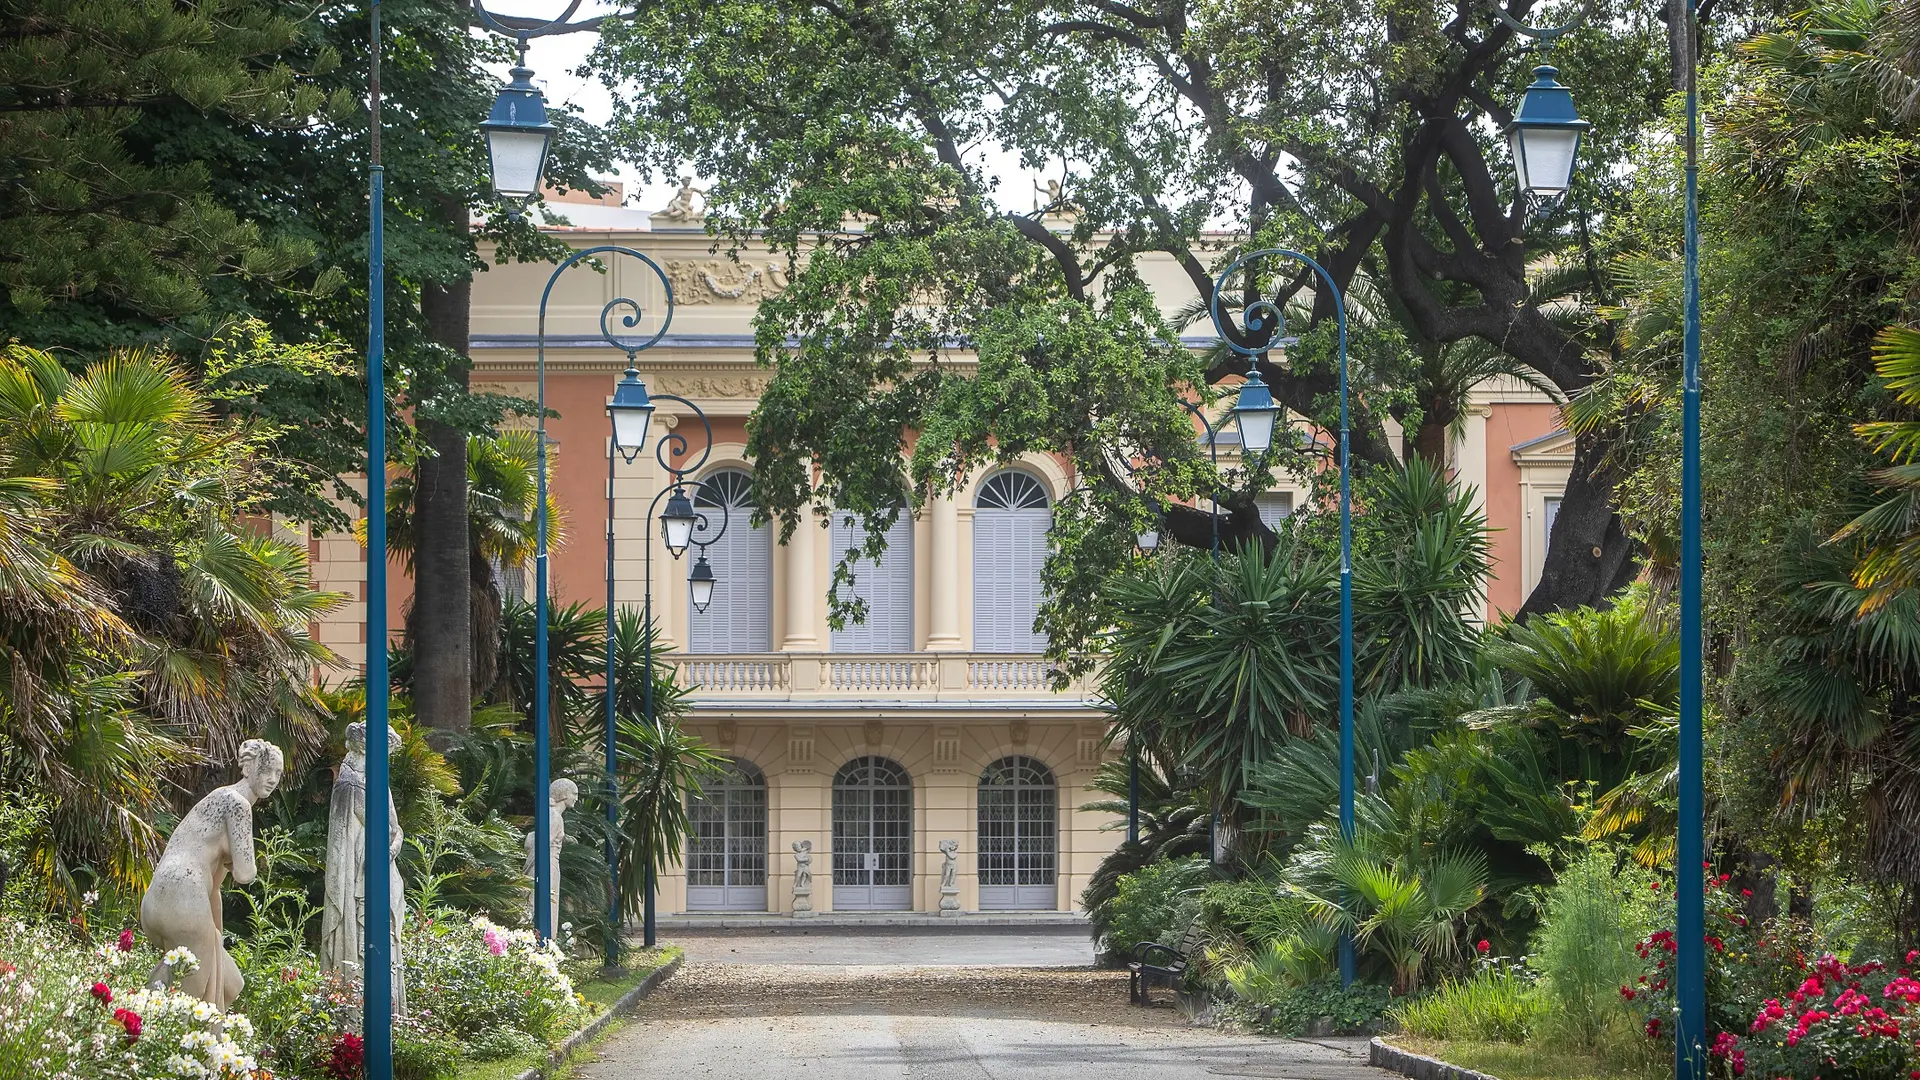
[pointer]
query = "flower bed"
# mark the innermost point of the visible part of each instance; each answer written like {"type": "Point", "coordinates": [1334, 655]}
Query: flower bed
{"type": "Point", "coordinates": [71, 1009]}
{"type": "Point", "coordinates": [1781, 1008]}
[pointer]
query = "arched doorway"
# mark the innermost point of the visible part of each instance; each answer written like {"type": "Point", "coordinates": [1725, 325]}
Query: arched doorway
{"type": "Point", "coordinates": [872, 836]}
{"type": "Point", "coordinates": [1018, 837]}
{"type": "Point", "coordinates": [727, 853]}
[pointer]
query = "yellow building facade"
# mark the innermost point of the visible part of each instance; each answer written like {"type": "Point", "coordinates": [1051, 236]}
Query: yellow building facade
{"type": "Point", "coordinates": [920, 762]}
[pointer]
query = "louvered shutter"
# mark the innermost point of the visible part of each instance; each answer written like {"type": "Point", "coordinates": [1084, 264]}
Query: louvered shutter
{"type": "Point", "coordinates": [887, 587]}
{"type": "Point", "coordinates": [1010, 525]}
{"type": "Point", "coordinates": [1274, 508]}
{"type": "Point", "coordinates": [740, 618]}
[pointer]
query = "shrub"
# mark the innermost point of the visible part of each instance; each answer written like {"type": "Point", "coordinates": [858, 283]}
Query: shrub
{"type": "Point", "coordinates": [1285, 963]}
{"type": "Point", "coordinates": [1498, 1004]}
{"type": "Point", "coordinates": [1158, 902]}
{"type": "Point", "coordinates": [1322, 1005]}
{"type": "Point", "coordinates": [470, 976]}
{"type": "Point", "coordinates": [1598, 908]}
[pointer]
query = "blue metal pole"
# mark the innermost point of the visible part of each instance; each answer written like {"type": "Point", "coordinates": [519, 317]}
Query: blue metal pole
{"type": "Point", "coordinates": [647, 927]}
{"type": "Point", "coordinates": [613, 792]}
{"type": "Point", "coordinates": [1690, 982]}
{"type": "Point", "coordinates": [542, 827]}
{"type": "Point", "coordinates": [1346, 622]}
{"type": "Point", "coordinates": [376, 1022]}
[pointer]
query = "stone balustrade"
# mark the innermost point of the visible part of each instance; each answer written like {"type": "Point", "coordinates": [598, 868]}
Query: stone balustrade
{"type": "Point", "coordinates": [907, 676]}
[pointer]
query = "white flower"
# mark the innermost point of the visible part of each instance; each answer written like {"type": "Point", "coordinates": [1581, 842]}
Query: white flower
{"type": "Point", "coordinates": [90, 898]}
{"type": "Point", "coordinates": [181, 960]}
{"type": "Point", "coordinates": [203, 1011]}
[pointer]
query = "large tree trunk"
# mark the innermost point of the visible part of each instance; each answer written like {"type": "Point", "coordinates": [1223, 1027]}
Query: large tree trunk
{"type": "Point", "coordinates": [1589, 555]}
{"type": "Point", "coordinates": [442, 582]}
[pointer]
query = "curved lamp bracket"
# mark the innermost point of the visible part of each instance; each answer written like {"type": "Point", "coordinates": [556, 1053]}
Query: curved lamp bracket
{"type": "Point", "coordinates": [523, 29]}
{"type": "Point", "coordinates": [1545, 35]}
{"type": "Point", "coordinates": [1263, 319]}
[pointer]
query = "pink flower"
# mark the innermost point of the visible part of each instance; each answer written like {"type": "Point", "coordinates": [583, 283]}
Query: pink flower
{"type": "Point", "coordinates": [495, 945]}
{"type": "Point", "coordinates": [126, 940]}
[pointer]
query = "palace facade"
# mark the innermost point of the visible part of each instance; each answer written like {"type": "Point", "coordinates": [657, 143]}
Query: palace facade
{"type": "Point", "coordinates": [928, 733]}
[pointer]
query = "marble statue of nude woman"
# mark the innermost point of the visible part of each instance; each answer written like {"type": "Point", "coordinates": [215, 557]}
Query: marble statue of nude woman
{"type": "Point", "coordinates": [181, 907]}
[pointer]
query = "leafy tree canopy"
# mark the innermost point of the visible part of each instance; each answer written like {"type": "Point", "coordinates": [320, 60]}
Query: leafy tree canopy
{"type": "Point", "coordinates": [852, 136]}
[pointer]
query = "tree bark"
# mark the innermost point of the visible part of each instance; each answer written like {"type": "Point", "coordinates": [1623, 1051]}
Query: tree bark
{"type": "Point", "coordinates": [442, 573]}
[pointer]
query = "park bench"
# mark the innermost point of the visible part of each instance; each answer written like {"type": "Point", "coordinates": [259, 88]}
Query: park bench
{"type": "Point", "coordinates": [1155, 961]}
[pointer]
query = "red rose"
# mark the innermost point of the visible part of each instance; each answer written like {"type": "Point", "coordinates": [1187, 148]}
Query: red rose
{"type": "Point", "coordinates": [1653, 1028]}
{"type": "Point", "coordinates": [102, 993]}
{"type": "Point", "coordinates": [126, 940]}
{"type": "Point", "coordinates": [1483, 947]}
{"type": "Point", "coordinates": [129, 1020]}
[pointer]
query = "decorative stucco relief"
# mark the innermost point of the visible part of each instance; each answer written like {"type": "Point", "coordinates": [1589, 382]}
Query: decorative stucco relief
{"type": "Point", "coordinates": [722, 281]}
{"type": "Point", "coordinates": [711, 386]}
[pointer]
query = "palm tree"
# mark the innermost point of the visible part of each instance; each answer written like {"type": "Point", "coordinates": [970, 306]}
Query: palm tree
{"type": "Point", "coordinates": [1889, 532]}
{"type": "Point", "coordinates": [1425, 560]}
{"type": "Point", "coordinates": [135, 601]}
{"type": "Point", "coordinates": [1404, 914]}
{"type": "Point", "coordinates": [502, 494]}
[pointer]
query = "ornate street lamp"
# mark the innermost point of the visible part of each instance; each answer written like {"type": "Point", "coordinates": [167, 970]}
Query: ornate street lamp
{"type": "Point", "coordinates": [1256, 403]}
{"type": "Point", "coordinates": [632, 412]}
{"type": "Point", "coordinates": [1545, 139]}
{"type": "Point", "coordinates": [676, 523]}
{"type": "Point", "coordinates": [518, 135]}
{"type": "Point", "coordinates": [700, 583]}
{"type": "Point", "coordinates": [1255, 412]}
{"type": "Point", "coordinates": [1148, 540]}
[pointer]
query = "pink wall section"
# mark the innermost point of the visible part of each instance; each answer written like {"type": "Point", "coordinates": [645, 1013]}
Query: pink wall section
{"type": "Point", "coordinates": [1507, 427]}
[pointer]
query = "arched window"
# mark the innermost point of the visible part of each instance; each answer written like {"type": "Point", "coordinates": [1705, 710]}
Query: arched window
{"type": "Point", "coordinates": [872, 836]}
{"type": "Point", "coordinates": [1010, 521]}
{"type": "Point", "coordinates": [727, 848]}
{"type": "Point", "coordinates": [1018, 837]}
{"type": "Point", "coordinates": [886, 586]}
{"type": "Point", "coordinates": [739, 620]}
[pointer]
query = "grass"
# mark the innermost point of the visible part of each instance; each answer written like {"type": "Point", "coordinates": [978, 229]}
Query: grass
{"type": "Point", "coordinates": [1492, 1006]}
{"type": "Point", "coordinates": [1532, 1062]}
{"type": "Point", "coordinates": [600, 993]}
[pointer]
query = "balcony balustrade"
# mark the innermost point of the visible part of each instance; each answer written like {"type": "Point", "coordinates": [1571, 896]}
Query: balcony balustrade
{"type": "Point", "coordinates": [905, 676]}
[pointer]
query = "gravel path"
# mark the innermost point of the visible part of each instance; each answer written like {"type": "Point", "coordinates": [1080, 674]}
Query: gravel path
{"type": "Point", "coordinates": [789, 1022]}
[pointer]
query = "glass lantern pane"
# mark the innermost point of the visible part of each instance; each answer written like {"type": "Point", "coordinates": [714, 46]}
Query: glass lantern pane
{"type": "Point", "coordinates": [518, 158]}
{"type": "Point", "coordinates": [1548, 157]}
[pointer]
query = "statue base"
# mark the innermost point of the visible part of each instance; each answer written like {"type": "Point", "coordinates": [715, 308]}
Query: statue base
{"type": "Point", "coordinates": [807, 914]}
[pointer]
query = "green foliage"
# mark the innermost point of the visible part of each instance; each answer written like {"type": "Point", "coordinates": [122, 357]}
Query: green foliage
{"type": "Point", "coordinates": [148, 625]}
{"type": "Point", "coordinates": [808, 118]}
{"type": "Point", "coordinates": [1155, 904]}
{"type": "Point", "coordinates": [1405, 915]}
{"type": "Point", "coordinates": [1598, 908]}
{"type": "Point", "coordinates": [1497, 1004]}
{"type": "Point", "coordinates": [1596, 676]}
{"type": "Point", "coordinates": [84, 211]}
{"type": "Point", "coordinates": [1321, 1006]}
{"type": "Point", "coordinates": [1173, 826]}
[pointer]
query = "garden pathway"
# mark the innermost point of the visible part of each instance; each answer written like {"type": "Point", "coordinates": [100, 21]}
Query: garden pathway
{"type": "Point", "coordinates": [718, 1019]}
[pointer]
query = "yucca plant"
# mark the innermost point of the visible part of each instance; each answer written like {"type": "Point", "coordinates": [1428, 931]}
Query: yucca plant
{"type": "Point", "coordinates": [1889, 533]}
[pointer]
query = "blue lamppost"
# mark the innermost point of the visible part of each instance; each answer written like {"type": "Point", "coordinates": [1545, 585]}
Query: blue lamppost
{"type": "Point", "coordinates": [1690, 927]}
{"type": "Point", "coordinates": [1148, 540]}
{"type": "Point", "coordinates": [679, 524]}
{"type": "Point", "coordinates": [518, 138]}
{"type": "Point", "coordinates": [1256, 413]}
{"type": "Point", "coordinates": [631, 409]}
{"type": "Point", "coordinates": [376, 988]}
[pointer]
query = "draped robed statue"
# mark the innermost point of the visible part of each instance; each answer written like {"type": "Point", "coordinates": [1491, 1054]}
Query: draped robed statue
{"type": "Point", "coordinates": [343, 922]}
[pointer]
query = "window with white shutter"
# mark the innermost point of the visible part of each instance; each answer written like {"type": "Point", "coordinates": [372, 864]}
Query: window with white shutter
{"type": "Point", "coordinates": [886, 586]}
{"type": "Point", "coordinates": [739, 620]}
{"type": "Point", "coordinates": [1010, 521]}
{"type": "Point", "coordinates": [1275, 508]}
